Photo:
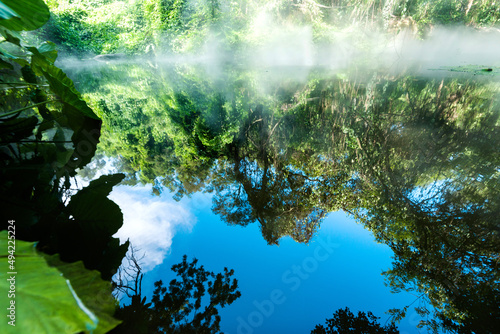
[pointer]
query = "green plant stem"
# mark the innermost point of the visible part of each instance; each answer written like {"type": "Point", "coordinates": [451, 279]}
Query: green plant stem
{"type": "Point", "coordinates": [10, 113]}
{"type": "Point", "coordinates": [25, 85]}
{"type": "Point", "coordinates": [20, 83]}
{"type": "Point", "coordinates": [38, 141]}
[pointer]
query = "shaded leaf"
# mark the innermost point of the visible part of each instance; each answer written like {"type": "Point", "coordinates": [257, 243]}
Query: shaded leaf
{"type": "Point", "coordinates": [8, 53]}
{"type": "Point", "coordinates": [17, 129]}
{"type": "Point", "coordinates": [94, 209]}
{"type": "Point", "coordinates": [11, 36]}
{"type": "Point", "coordinates": [44, 126]}
{"type": "Point", "coordinates": [94, 292]}
{"type": "Point", "coordinates": [6, 12]}
{"type": "Point", "coordinates": [86, 134]}
{"type": "Point", "coordinates": [31, 14]}
{"type": "Point", "coordinates": [48, 49]}
{"type": "Point", "coordinates": [88, 235]}
{"type": "Point", "coordinates": [4, 64]}
{"type": "Point", "coordinates": [44, 302]}
{"type": "Point", "coordinates": [60, 84]}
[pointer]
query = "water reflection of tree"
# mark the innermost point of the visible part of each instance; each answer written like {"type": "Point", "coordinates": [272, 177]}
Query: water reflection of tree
{"type": "Point", "coordinates": [415, 161]}
{"type": "Point", "coordinates": [344, 321]}
{"type": "Point", "coordinates": [189, 304]}
{"type": "Point", "coordinates": [258, 182]}
{"type": "Point", "coordinates": [434, 201]}
{"type": "Point", "coordinates": [419, 168]}
{"type": "Point", "coordinates": [282, 205]}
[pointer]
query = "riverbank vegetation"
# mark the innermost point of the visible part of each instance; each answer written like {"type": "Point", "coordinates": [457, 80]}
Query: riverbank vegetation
{"type": "Point", "coordinates": [84, 27]}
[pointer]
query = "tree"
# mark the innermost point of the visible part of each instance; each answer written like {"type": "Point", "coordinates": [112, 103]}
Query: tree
{"type": "Point", "coordinates": [180, 307]}
{"type": "Point", "coordinates": [344, 322]}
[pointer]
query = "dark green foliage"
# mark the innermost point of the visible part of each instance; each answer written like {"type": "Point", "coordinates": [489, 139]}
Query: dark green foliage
{"type": "Point", "coordinates": [70, 32]}
{"type": "Point", "coordinates": [87, 235]}
{"type": "Point", "coordinates": [41, 151]}
{"type": "Point", "coordinates": [83, 26]}
{"type": "Point", "coordinates": [344, 322]}
{"type": "Point", "coordinates": [47, 132]}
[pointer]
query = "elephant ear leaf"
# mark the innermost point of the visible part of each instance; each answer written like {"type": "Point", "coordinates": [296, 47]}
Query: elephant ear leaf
{"type": "Point", "coordinates": [91, 206]}
{"type": "Point", "coordinates": [95, 219]}
{"type": "Point", "coordinates": [6, 12]}
{"type": "Point", "coordinates": [94, 293]}
{"type": "Point", "coordinates": [59, 83]}
{"type": "Point", "coordinates": [48, 49]}
{"type": "Point", "coordinates": [23, 15]}
{"type": "Point", "coordinates": [41, 290]}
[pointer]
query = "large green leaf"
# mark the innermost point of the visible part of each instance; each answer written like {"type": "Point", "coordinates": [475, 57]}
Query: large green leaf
{"type": "Point", "coordinates": [17, 129]}
{"type": "Point", "coordinates": [59, 83]}
{"type": "Point", "coordinates": [6, 12]}
{"type": "Point", "coordinates": [95, 293]}
{"type": "Point", "coordinates": [44, 300]}
{"type": "Point", "coordinates": [93, 209]}
{"type": "Point", "coordinates": [11, 36]}
{"type": "Point", "coordinates": [4, 64]}
{"type": "Point", "coordinates": [24, 14]}
{"type": "Point", "coordinates": [89, 235]}
{"type": "Point", "coordinates": [48, 49]}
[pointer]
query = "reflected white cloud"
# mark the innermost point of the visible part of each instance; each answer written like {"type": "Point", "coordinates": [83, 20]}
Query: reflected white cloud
{"type": "Point", "coordinates": [150, 223]}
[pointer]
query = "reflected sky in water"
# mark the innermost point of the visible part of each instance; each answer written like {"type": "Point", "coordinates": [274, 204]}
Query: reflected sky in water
{"type": "Point", "coordinates": [340, 267]}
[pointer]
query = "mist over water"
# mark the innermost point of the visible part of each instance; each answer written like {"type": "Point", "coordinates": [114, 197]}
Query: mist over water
{"type": "Point", "coordinates": [290, 53]}
{"type": "Point", "coordinates": [449, 47]}
{"type": "Point", "coordinates": [443, 47]}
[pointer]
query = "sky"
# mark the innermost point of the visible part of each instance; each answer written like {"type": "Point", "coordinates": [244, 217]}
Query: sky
{"type": "Point", "coordinates": [288, 288]}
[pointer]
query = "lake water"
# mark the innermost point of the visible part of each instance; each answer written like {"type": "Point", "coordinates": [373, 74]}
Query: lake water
{"type": "Point", "coordinates": [240, 166]}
